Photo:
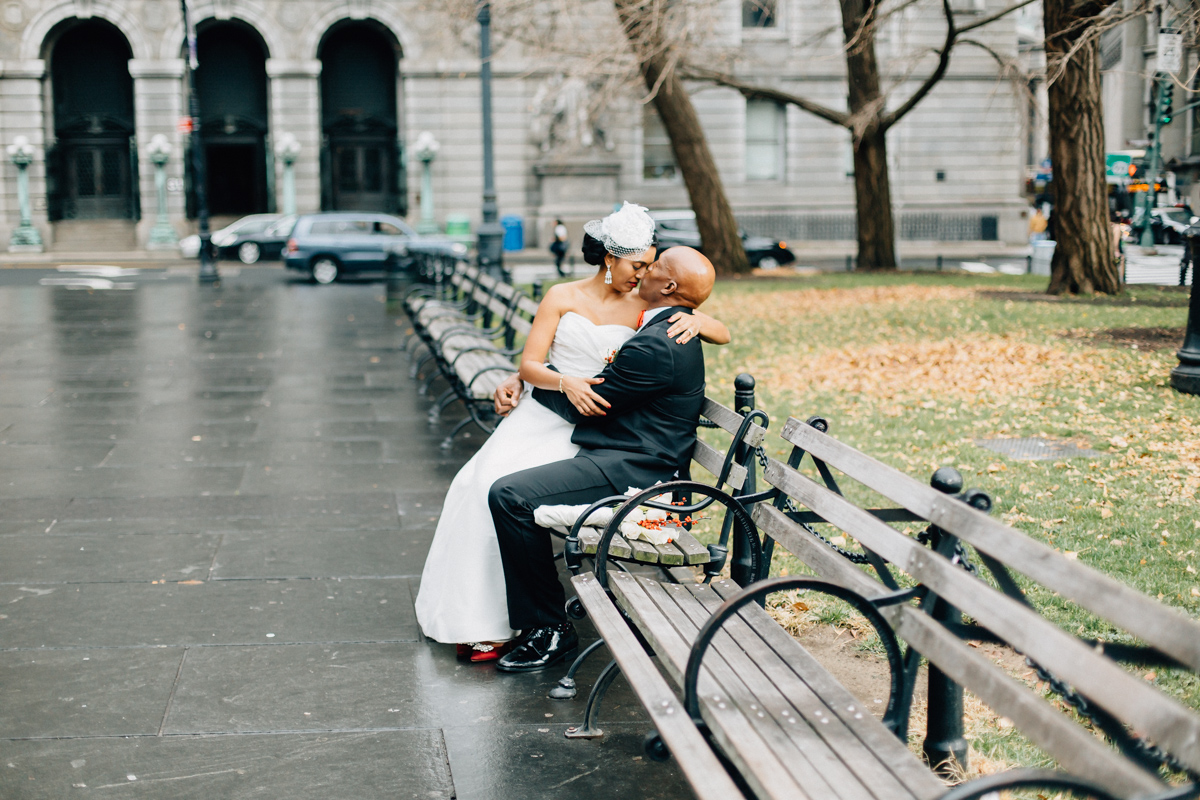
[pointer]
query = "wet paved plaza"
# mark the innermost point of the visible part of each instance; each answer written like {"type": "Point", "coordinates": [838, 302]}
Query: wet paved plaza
{"type": "Point", "coordinates": [214, 508]}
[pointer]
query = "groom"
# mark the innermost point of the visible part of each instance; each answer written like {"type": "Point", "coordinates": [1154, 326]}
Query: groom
{"type": "Point", "coordinates": [655, 389]}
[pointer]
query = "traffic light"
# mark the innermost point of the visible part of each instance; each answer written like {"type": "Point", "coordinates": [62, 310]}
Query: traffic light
{"type": "Point", "coordinates": [1166, 98]}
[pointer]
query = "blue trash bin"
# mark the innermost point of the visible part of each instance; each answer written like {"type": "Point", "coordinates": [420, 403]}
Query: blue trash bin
{"type": "Point", "coordinates": [514, 232]}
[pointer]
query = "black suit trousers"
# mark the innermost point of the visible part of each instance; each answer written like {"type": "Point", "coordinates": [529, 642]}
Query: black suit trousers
{"type": "Point", "coordinates": [535, 596]}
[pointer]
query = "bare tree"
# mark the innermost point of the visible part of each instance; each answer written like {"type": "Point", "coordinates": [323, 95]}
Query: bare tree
{"type": "Point", "coordinates": [644, 22]}
{"type": "Point", "coordinates": [868, 118]}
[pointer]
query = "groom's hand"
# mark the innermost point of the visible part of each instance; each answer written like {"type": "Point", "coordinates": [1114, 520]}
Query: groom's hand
{"type": "Point", "coordinates": [507, 394]}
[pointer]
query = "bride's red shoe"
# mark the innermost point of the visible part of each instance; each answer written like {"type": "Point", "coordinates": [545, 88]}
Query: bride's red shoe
{"type": "Point", "coordinates": [490, 651]}
{"type": "Point", "coordinates": [464, 651]}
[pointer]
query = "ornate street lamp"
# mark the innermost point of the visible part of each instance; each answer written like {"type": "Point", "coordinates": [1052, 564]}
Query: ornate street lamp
{"type": "Point", "coordinates": [162, 235]}
{"type": "Point", "coordinates": [25, 237]}
{"type": "Point", "coordinates": [427, 149]}
{"type": "Point", "coordinates": [288, 150]}
{"type": "Point", "coordinates": [489, 247]}
{"type": "Point", "coordinates": [1186, 377]}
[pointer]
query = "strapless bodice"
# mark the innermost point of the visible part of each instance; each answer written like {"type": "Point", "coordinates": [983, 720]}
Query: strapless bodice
{"type": "Point", "coordinates": [581, 347]}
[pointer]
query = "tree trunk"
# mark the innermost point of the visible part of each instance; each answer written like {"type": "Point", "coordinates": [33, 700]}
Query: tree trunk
{"type": "Point", "coordinates": [873, 195]}
{"type": "Point", "coordinates": [872, 188]}
{"type": "Point", "coordinates": [1084, 259]}
{"type": "Point", "coordinates": [714, 215]}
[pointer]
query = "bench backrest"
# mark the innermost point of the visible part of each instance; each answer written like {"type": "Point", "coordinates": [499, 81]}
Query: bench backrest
{"type": "Point", "coordinates": [1004, 611]}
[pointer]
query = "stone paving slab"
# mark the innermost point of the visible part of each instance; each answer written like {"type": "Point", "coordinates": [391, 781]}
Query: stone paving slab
{"type": "Point", "coordinates": [207, 613]}
{"type": "Point", "coordinates": [47, 558]}
{"type": "Point", "coordinates": [327, 554]}
{"type": "Point", "coordinates": [95, 692]}
{"type": "Point", "coordinates": [312, 687]}
{"type": "Point", "coordinates": [400, 764]}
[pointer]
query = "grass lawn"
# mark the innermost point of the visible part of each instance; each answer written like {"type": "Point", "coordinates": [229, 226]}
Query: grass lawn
{"type": "Point", "coordinates": [912, 369]}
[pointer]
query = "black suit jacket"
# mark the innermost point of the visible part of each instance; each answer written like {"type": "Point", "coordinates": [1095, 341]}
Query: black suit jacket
{"type": "Point", "coordinates": [656, 388]}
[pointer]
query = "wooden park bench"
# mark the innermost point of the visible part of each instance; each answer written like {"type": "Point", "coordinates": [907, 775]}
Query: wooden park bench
{"type": "Point", "coordinates": [468, 323]}
{"type": "Point", "coordinates": [736, 690]}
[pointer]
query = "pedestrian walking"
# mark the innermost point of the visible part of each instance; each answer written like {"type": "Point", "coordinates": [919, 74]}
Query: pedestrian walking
{"type": "Point", "coordinates": [559, 246]}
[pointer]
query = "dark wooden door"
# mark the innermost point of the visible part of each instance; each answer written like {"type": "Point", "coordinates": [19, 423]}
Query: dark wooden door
{"type": "Point", "coordinates": [361, 175]}
{"type": "Point", "coordinates": [97, 179]}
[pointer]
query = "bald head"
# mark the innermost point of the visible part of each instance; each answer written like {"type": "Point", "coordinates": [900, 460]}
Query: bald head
{"type": "Point", "coordinates": [682, 276]}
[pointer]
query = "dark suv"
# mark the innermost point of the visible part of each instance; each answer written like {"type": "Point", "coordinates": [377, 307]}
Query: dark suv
{"type": "Point", "coordinates": [329, 245]}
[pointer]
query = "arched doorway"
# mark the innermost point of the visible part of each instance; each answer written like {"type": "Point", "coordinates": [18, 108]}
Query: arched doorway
{"type": "Point", "coordinates": [92, 164]}
{"type": "Point", "coordinates": [231, 85]}
{"type": "Point", "coordinates": [361, 160]}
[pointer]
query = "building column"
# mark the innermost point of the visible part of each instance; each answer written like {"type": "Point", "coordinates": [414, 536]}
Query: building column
{"type": "Point", "coordinates": [295, 109]}
{"type": "Point", "coordinates": [157, 108]}
{"type": "Point", "coordinates": [22, 113]}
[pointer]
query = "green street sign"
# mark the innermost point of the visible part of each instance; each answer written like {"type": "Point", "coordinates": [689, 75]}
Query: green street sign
{"type": "Point", "coordinates": [1116, 165]}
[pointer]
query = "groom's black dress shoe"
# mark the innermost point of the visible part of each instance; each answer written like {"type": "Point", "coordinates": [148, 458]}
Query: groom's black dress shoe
{"type": "Point", "coordinates": [540, 648]}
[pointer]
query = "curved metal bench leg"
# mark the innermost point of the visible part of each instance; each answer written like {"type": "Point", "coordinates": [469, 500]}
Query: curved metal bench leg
{"type": "Point", "coordinates": [448, 442]}
{"type": "Point", "coordinates": [428, 383]}
{"type": "Point", "coordinates": [415, 370]}
{"type": "Point", "coordinates": [565, 690]}
{"type": "Point", "coordinates": [440, 405]}
{"type": "Point", "coordinates": [589, 729]}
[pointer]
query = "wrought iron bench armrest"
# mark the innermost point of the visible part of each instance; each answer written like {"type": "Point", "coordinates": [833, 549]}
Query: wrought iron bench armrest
{"type": "Point", "coordinates": [759, 591]}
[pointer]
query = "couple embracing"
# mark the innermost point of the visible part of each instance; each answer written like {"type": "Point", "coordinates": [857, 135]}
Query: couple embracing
{"type": "Point", "coordinates": [490, 584]}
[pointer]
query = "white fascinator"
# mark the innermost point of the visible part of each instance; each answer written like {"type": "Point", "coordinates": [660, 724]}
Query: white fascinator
{"type": "Point", "coordinates": [626, 232]}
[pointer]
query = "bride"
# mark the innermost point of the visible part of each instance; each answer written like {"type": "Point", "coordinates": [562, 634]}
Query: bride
{"type": "Point", "coordinates": [578, 327]}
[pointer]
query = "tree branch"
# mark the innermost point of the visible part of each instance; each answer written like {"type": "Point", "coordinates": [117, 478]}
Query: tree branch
{"type": "Point", "coordinates": [752, 92]}
{"type": "Point", "coordinates": [979, 23]}
{"type": "Point", "coordinates": [891, 118]}
{"type": "Point", "coordinates": [939, 72]}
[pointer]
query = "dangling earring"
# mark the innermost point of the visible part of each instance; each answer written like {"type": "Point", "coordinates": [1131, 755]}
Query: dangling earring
{"type": "Point", "coordinates": [607, 274]}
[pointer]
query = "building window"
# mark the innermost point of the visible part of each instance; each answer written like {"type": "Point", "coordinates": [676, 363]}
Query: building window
{"type": "Point", "coordinates": [658, 160]}
{"type": "Point", "coordinates": [764, 140]}
{"type": "Point", "coordinates": [758, 14]}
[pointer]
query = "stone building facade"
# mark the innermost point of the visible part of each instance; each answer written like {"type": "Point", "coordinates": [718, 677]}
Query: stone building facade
{"type": "Point", "coordinates": [90, 82]}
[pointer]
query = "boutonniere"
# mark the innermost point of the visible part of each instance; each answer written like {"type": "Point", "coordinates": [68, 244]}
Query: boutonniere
{"type": "Point", "coordinates": [610, 356]}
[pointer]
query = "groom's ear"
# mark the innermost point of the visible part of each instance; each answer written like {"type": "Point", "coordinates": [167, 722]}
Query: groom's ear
{"type": "Point", "coordinates": [670, 288]}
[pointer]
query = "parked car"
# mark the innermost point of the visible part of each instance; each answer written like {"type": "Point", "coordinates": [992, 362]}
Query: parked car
{"type": "Point", "coordinates": [250, 239]}
{"type": "Point", "coordinates": [1167, 223]}
{"type": "Point", "coordinates": [679, 228]}
{"type": "Point", "coordinates": [330, 245]}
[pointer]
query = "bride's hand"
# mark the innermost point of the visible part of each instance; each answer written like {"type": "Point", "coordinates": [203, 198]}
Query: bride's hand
{"type": "Point", "coordinates": [579, 392]}
{"type": "Point", "coordinates": [685, 326]}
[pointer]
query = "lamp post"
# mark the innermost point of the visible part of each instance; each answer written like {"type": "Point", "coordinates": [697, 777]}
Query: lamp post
{"type": "Point", "coordinates": [427, 149]}
{"type": "Point", "coordinates": [25, 237]}
{"type": "Point", "coordinates": [162, 235]}
{"type": "Point", "coordinates": [489, 244]}
{"type": "Point", "coordinates": [208, 267]}
{"type": "Point", "coordinates": [1186, 377]}
{"type": "Point", "coordinates": [288, 150]}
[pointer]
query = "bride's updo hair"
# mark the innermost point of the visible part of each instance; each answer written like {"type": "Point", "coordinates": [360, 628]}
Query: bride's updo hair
{"type": "Point", "coordinates": [593, 250]}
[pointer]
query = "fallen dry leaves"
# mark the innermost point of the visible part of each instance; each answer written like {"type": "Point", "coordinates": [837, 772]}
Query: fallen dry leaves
{"type": "Point", "coordinates": [961, 368]}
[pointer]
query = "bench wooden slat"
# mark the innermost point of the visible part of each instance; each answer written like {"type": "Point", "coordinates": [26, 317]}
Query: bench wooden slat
{"type": "Point", "coordinates": [730, 421]}
{"type": "Point", "coordinates": [833, 749]}
{"type": "Point", "coordinates": [618, 547]}
{"type": "Point", "coordinates": [708, 457]}
{"type": "Point", "coordinates": [804, 680]}
{"type": "Point", "coordinates": [1167, 629]}
{"type": "Point", "coordinates": [1102, 681]}
{"type": "Point", "coordinates": [762, 769]}
{"type": "Point", "coordinates": [691, 752]}
{"type": "Point", "coordinates": [1075, 749]}
{"type": "Point", "coordinates": [589, 539]}
{"type": "Point", "coordinates": [693, 551]}
{"type": "Point", "coordinates": [643, 551]}
{"type": "Point", "coordinates": [669, 554]}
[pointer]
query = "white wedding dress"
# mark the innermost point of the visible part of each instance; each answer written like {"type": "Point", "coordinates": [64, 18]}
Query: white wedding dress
{"type": "Point", "coordinates": [462, 595]}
